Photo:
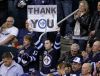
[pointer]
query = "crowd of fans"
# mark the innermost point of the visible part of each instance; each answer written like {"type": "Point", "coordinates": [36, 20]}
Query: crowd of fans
{"type": "Point", "coordinates": [38, 54]}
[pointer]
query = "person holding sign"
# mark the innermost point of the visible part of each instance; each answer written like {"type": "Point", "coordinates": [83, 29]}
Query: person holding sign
{"type": "Point", "coordinates": [50, 56]}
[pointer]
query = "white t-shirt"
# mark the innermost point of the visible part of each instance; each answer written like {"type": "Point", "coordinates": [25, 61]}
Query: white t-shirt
{"type": "Point", "coordinates": [9, 31]}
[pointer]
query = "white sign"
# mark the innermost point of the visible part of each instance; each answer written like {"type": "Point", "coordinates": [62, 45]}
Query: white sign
{"type": "Point", "coordinates": [43, 18]}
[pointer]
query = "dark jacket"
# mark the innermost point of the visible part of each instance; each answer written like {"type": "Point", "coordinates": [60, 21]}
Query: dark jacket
{"type": "Point", "coordinates": [97, 30]}
{"type": "Point", "coordinates": [94, 57]}
{"type": "Point", "coordinates": [31, 55]}
{"type": "Point", "coordinates": [84, 24]}
{"type": "Point", "coordinates": [95, 24]}
{"type": "Point", "coordinates": [68, 58]}
{"type": "Point", "coordinates": [94, 20]}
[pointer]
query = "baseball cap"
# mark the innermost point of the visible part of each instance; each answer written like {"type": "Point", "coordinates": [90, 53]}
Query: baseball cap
{"type": "Point", "coordinates": [77, 60]}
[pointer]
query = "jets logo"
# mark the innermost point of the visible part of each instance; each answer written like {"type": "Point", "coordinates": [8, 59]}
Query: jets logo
{"type": "Point", "coordinates": [47, 61]}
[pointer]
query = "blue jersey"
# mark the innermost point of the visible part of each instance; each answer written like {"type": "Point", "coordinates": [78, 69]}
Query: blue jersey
{"type": "Point", "coordinates": [50, 59]}
{"type": "Point", "coordinates": [30, 58]}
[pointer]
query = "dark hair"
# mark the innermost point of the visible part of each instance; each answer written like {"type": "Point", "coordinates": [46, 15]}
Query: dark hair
{"type": "Point", "coordinates": [7, 55]}
{"type": "Point", "coordinates": [49, 40]}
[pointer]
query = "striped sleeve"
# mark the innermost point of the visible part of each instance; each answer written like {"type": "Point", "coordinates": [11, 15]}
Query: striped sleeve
{"type": "Point", "coordinates": [57, 43]}
{"type": "Point", "coordinates": [39, 43]}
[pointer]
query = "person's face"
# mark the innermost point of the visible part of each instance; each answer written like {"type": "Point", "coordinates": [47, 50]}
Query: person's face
{"type": "Point", "coordinates": [98, 6]}
{"type": "Point", "coordinates": [67, 70]}
{"type": "Point", "coordinates": [74, 50]}
{"type": "Point", "coordinates": [96, 47]}
{"type": "Point", "coordinates": [61, 70]}
{"type": "Point", "coordinates": [10, 21]}
{"type": "Point", "coordinates": [26, 42]}
{"type": "Point", "coordinates": [76, 66]}
{"type": "Point", "coordinates": [7, 61]}
{"type": "Point", "coordinates": [85, 69]}
{"type": "Point", "coordinates": [48, 44]}
{"type": "Point", "coordinates": [82, 7]}
{"type": "Point", "coordinates": [88, 48]}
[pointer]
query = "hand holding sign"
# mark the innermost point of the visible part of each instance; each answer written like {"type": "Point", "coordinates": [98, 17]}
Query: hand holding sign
{"type": "Point", "coordinates": [43, 17]}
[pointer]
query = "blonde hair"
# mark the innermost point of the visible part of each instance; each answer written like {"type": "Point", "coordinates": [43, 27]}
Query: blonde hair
{"type": "Point", "coordinates": [85, 4]}
{"type": "Point", "coordinates": [89, 66]}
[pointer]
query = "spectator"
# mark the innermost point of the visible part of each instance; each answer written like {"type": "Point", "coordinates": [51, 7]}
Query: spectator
{"type": "Point", "coordinates": [29, 55]}
{"type": "Point", "coordinates": [86, 69]}
{"type": "Point", "coordinates": [95, 55]}
{"type": "Point", "coordinates": [70, 55]}
{"type": "Point", "coordinates": [50, 56]}
{"type": "Point", "coordinates": [21, 12]}
{"type": "Point", "coordinates": [61, 69]}
{"type": "Point", "coordinates": [81, 20]}
{"type": "Point", "coordinates": [85, 56]}
{"type": "Point", "coordinates": [22, 32]}
{"type": "Point", "coordinates": [67, 9]}
{"type": "Point", "coordinates": [94, 24]}
{"type": "Point", "coordinates": [10, 33]}
{"type": "Point", "coordinates": [50, 35]}
{"type": "Point", "coordinates": [9, 66]}
{"type": "Point", "coordinates": [76, 66]}
{"type": "Point", "coordinates": [68, 69]}
{"type": "Point", "coordinates": [88, 48]}
{"type": "Point", "coordinates": [92, 5]}
{"type": "Point", "coordinates": [64, 9]}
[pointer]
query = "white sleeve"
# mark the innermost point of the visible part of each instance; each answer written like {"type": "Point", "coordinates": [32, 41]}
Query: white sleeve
{"type": "Point", "coordinates": [14, 31]}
